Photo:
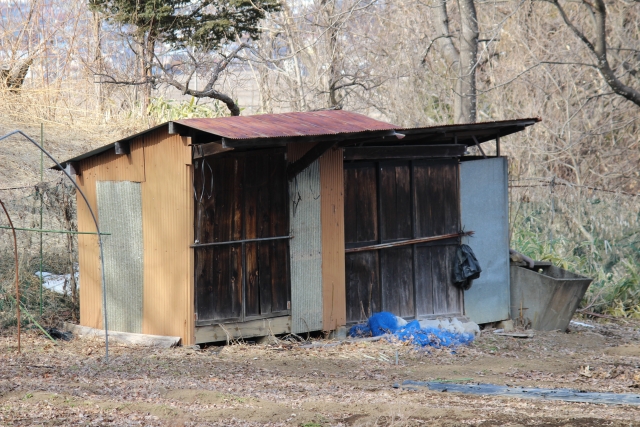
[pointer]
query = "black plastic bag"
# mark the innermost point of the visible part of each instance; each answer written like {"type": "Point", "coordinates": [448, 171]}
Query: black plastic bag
{"type": "Point", "coordinates": [467, 268]}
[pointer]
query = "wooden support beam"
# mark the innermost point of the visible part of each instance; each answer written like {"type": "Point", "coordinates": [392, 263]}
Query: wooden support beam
{"type": "Point", "coordinates": [122, 147]}
{"type": "Point", "coordinates": [379, 246]}
{"type": "Point", "coordinates": [210, 149]}
{"type": "Point", "coordinates": [248, 329]}
{"type": "Point", "coordinates": [129, 338]}
{"type": "Point", "coordinates": [403, 152]}
{"type": "Point", "coordinates": [309, 157]}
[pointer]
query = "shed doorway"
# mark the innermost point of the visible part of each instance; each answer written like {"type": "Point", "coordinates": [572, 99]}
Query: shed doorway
{"type": "Point", "coordinates": [242, 237]}
{"type": "Point", "coordinates": [392, 201]}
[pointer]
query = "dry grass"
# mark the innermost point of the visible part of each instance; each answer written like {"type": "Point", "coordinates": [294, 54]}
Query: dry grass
{"type": "Point", "coordinates": [285, 384]}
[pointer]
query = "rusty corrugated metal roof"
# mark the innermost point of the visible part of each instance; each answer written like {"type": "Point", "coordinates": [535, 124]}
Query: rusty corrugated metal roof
{"type": "Point", "coordinates": [294, 127]}
{"type": "Point", "coordinates": [311, 123]}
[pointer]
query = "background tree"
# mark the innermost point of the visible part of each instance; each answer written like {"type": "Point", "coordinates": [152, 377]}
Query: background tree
{"type": "Point", "coordinates": [596, 42]}
{"type": "Point", "coordinates": [180, 38]}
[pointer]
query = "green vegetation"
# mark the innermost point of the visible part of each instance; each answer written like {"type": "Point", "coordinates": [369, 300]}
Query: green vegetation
{"type": "Point", "coordinates": [605, 247]}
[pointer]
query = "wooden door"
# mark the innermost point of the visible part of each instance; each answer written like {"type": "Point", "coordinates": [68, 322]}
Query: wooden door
{"type": "Point", "coordinates": [242, 243]}
{"type": "Point", "coordinates": [393, 201]}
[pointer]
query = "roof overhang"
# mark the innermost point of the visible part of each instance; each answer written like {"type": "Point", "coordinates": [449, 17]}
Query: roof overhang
{"type": "Point", "coordinates": [344, 128]}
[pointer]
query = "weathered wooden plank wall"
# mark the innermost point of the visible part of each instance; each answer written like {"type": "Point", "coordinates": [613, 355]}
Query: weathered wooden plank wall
{"type": "Point", "coordinates": [241, 196]}
{"type": "Point", "coordinates": [396, 200]}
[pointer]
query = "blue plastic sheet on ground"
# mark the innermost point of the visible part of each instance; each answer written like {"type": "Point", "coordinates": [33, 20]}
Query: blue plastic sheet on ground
{"type": "Point", "coordinates": [387, 323]}
{"type": "Point", "coordinates": [567, 395]}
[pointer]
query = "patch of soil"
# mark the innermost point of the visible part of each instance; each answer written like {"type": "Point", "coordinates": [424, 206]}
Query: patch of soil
{"type": "Point", "coordinates": [284, 384]}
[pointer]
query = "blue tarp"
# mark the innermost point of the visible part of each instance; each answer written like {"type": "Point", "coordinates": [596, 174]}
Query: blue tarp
{"type": "Point", "coordinates": [387, 323]}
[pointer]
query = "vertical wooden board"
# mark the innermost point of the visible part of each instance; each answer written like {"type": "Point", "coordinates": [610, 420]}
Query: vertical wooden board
{"type": "Point", "coordinates": [395, 202]}
{"type": "Point", "coordinates": [403, 202]}
{"type": "Point", "coordinates": [264, 273]}
{"type": "Point", "coordinates": [234, 284]}
{"type": "Point", "coordinates": [204, 200]}
{"type": "Point", "coordinates": [366, 205]}
{"type": "Point", "coordinates": [333, 256]}
{"type": "Point", "coordinates": [278, 191]}
{"type": "Point", "coordinates": [424, 283]}
{"type": "Point", "coordinates": [388, 209]}
{"type": "Point", "coordinates": [451, 205]}
{"type": "Point", "coordinates": [237, 199]}
{"type": "Point", "coordinates": [205, 267]}
{"type": "Point", "coordinates": [441, 278]}
{"type": "Point", "coordinates": [263, 226]}
{"type": "Point", "coordinates": [222, 291]}
{"type": "Point", "coordinates": [168, 221]}
{"type": "Point", "coordinates": [252, 189]}
{"type": "Point", "coordinates": [396, 277]}
{"type": "Point", "coordinates": [350, 201]}
{"type": "Point", "coordinates": [252, 280]}
{"type": "Point", "coordinates": [422, 201]}
{"type": "Point", "coordinates": [363, 296]}
{"type": "Point", "coordinates": [454, 293]}
{"type": "Point", "coordinates": [279, 275]}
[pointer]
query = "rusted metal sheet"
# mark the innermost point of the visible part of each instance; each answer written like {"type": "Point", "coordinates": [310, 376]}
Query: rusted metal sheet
{"type": "Point", "coordinates": [311, 123]}
{"type": "Point", "coordinates": [328, 123]}
{"type": "Point", "coordinates": [306, 246]}
{"type": "Point", "coordinates": [161, 162]}
{"type": "Point", "coordinates": [105, 167]}
{"type": "Point", "coordinates": [167, 214]}
{"type": "Point", "coordinates": [333, 261]}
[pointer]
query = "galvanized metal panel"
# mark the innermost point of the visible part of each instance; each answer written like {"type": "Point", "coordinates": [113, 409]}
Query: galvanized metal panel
{"type": "Point", "coordinates": [484, 209]}
{"type": "Point", "coordinates": [120, 213]}
{"type": "Point", "coordinates": [306, 250]}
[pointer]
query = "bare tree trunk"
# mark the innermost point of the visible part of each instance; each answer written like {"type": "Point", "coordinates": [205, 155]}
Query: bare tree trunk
{"type": "Point", "coordinates": [466, 111]}
{"type": "Point", "coordinates": [299, 104]}
{"type": "Point", "coordinates": [599, 47]}
{"type": "Point", "coordinates": [98, 62]}
{"type": "Point", "coordinates": [333, 76]}
{"type": "Point", "coordinates": [461, 62]}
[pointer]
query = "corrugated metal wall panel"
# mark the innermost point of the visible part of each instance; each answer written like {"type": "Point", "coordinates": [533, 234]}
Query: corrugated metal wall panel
{"type": "Point", "coordinates": [306, 247]}
{"type": "Point", "coordinates": [484, 206]}
{"type": "Point", "coordinates": [120, 212]}
{"type": "Point", "coordinates": [106, 166]}
{"type": "Point", "coordinates": [333, 257]}
{"type": "Point", "coordinates": [167, 214]}
{"type": "Point", "coordinates": [306, 250]}
{"type": "Point", "coordinates": [162, 163]}
{"type": "Point", "coordinates": [88, 253]}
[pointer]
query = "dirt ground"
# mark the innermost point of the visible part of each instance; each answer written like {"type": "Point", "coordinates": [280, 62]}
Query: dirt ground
{"type": "Point", "coordinates": [349, 384]}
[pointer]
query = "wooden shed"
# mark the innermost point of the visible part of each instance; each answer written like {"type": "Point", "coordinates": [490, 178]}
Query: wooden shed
{"type": "Point", "coordinates": [297, 222]}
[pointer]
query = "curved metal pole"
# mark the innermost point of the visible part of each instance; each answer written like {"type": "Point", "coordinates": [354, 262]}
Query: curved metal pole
{"type": "Point", "coordinates": [15, 253]}
{"type": "Point", "coordinates": [95, 221]}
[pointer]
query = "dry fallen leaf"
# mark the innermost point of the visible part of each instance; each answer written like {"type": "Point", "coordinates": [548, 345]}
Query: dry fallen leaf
{"type": "Point", "coordinates": [585, 371]}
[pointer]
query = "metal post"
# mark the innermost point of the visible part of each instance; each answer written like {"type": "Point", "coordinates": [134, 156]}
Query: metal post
{"type": "Point", "coordinates": [95, 221]}
{"type": "Point", "coordinates": [41, 203]}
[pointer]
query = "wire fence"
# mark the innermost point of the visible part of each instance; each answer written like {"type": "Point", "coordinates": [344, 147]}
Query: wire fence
{"type": "Point", "coordinates": [589, 230]}
{"type": "Point", "coordinates": [49, 289]}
